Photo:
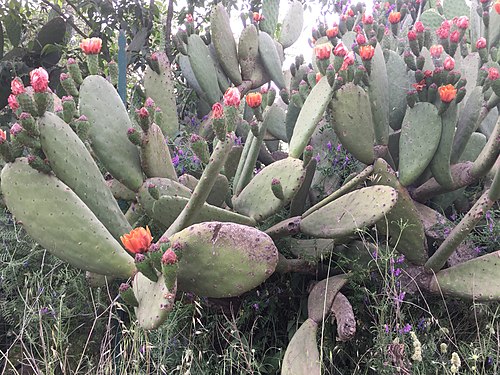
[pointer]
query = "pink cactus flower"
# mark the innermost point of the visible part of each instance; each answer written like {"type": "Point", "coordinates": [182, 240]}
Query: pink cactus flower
{"type": "Point", "coordinates": [39, 79]}
{"type": "Point", "coordinates": [232, 97]}
{"type": "Point", "coordinates": [17, 86]}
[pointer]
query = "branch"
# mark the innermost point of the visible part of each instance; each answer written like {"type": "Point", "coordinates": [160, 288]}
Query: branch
{"type": "Point", "coordinates": [79, 14]}
{"type": "Point", "coordinates": [168, 31]}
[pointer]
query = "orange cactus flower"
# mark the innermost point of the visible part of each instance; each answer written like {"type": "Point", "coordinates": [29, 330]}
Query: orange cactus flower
{"type": "Point", "coordinates": [323, 51]}
{"type": "Point", "coordinates": [91, 46]}
{"type": "Point", "coordinates": [447, 93]}
{"type": "Point", "coordinates": [138, 240]}
{"type": "Point", "coordinates": [3, 136]}
{"type": "Point", "coordinates": [394, 17]}
{"type": "Point", "coordinates": [254, 99]}
{"type": "Point", "coordinates": [366, 52]}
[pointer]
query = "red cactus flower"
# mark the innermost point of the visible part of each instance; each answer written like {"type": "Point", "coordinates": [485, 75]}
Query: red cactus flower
{"type": "Point", "coordinates": [91, 46]}
{"type": "Point", "coordinates": [412, 35]}
{"type": "Point", "coordinates": [419, 27]}
{"type": "Point", "coordinates": [367, 19]}
{"type": "Point", "coordinates": [254, 99]}
{"type": "Point", "coordinates": [232, 97]}
{"type": "Point", "coordinates": [169, 257]}
{"type": "Point", "coordinates": [447, 93]}
{"type": "Point", "coordinates": [142, 112]}
{"type": "Point", "coordinates": [318, 77]}
{"type": "Point", "coordinates": [455, 36]}
{"type": "Point", "coordinates": [449, 63]}
{"type": "Point", "coordinates": [323, 51]}
{"type": "Point", "coordinates": [17, 86]}
{"type": "Point", "coordinates": [481, 43]}
{"type": "Point", "coordinates": [493, 73]}
{"type": "Point", "coordinates": [443, 33]}
{"type": "Point", "coordinates": [349, 58]}
{"type": "Point", "coordinates": [436, 50]}
{"type": "Point", "coordinates": [189, 18]}
{"type": "Point", "coordinates": [217, 111]}
{"type": "Point", "coordinates": [39, 79]}
{"type": "Point", "coordinates": [257, 17]}
{"type": "Point", "coordinates": [138, 240]}
{"type": "Point", "coordinates": [3, 136]}
{"type": "Point", "coordinates": [419, 86]}
{"type": "Point", "coordinates": [12, 100]}
{"type": "Point", "coordinates": [462, 22]}
{"type": "Point", "coordinates": [497, 6]}
{"type": "Point", "coordinates": [394, 17]}
{"type": "Point", "coordinates": [366, 52]}
{"type": "Point", "coordinates": [332, 32]}
{"type": "Point", "coordinates": [340, 50]}
{"type": "Point", "coordinates": [360, 39]}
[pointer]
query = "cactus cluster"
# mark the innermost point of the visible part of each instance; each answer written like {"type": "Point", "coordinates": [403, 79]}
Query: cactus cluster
{"type": "Point", "coordinates": [406, 101]}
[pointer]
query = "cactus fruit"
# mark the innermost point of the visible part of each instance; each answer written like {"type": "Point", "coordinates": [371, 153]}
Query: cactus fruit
{"type": "Point", "coordinates": [223, 259]}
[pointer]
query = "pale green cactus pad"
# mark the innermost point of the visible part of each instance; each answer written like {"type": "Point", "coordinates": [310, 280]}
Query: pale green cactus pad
{"type": "Point", "coordinates": [351, 212]}
{"type": "Point", "coordinates": [55, 217]}
{"type": "Point", "coordinates": [155, 301]}
{"type": "Point", "coordinates": [257, 199]}
{"type": "Point", "coordinates": [302, 355]}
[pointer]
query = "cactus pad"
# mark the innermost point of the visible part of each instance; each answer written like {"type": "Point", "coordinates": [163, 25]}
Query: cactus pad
{"type": "Point", "coordinates": [160, 88]}
{"type": "Point", "coordinates": [291, 28]}
{"type": "Point", "coordinates": [73, 165]}
{"type": "Point", "coordinates": [109, 123]}
{"type": "Point", "coordinates": [257, 199]}
{"type": "Point", "coordinates": [309, 116]}
{"type": "Point", "coordinates": [57, 219]}
{"type": "Point", "coordinates": [223, 259]}
{"type": "Point", "coordinates": [351, 117]}
{"type": "Point", "coordinates": [355, 210]}
{"type": "Point", "coordinates": [302, 355]}
{"type": "Point", "coordinates": [420, 134]}
{"type": "Point", "coordinates": [155, 301]}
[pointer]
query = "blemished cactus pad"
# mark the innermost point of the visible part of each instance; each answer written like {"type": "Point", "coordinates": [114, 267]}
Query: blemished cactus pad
{"type": "Point", "coordinates": [257, 199]}
{"type": "Point", "coordinates": [155, 301]}
{"type": "Point", "coordinates": [72, 164]}
{"type": "Point", "coordinates": [109, 123]}
{"type": "Point", "coordinates": [55, 217]}
{"type": "Point", "coordinates": [223, 259]}
{"type": "Point", "coordinates": [356, 210]}
{"type": "Point", "coordinates": [302, 354]}
{"type": "Point", "coordinates": [420, 135]}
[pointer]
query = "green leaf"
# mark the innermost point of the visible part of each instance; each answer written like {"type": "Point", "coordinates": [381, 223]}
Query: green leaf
{"type": "Point", "coordinates": [13, 28]}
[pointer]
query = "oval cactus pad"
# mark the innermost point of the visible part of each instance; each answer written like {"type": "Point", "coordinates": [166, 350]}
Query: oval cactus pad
{"type": "Point", "coordinates": [345, 215]}
{"type": "Point", "coordinates": [223, 259]}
